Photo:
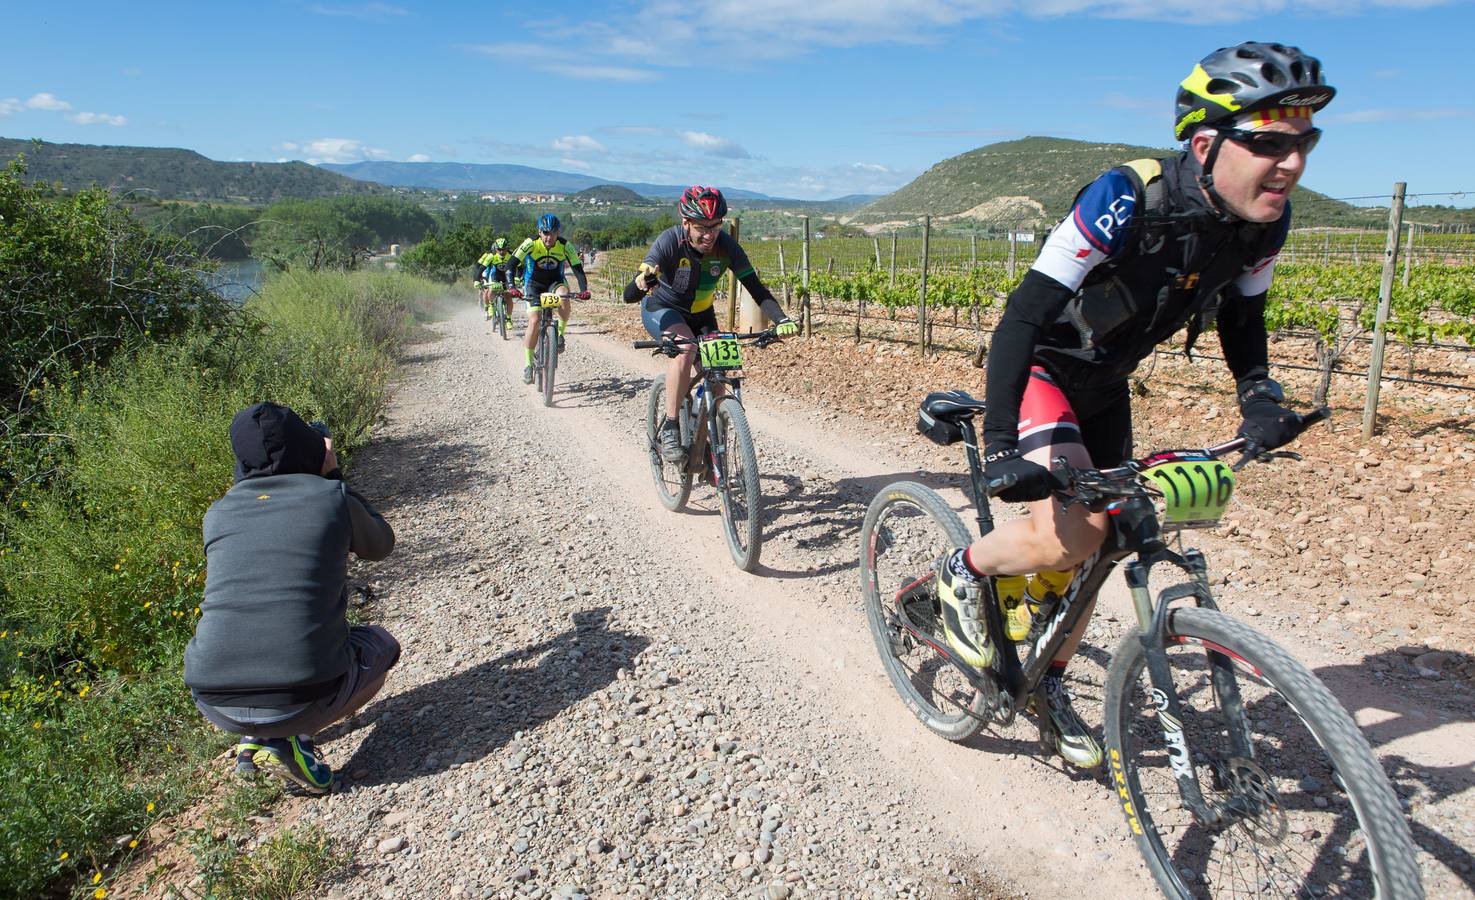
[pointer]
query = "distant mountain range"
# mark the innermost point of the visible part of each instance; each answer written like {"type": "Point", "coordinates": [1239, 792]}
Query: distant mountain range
{"type": "Point", "coordinates": [502, 177]}
{"type": "Point", "coordinates": [168, 173]}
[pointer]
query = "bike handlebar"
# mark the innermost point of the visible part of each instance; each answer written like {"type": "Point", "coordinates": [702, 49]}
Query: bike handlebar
{"type": "Point", "coordinates": [669, 344]}
{"type": "Point", "coordinates": [1092, 485]}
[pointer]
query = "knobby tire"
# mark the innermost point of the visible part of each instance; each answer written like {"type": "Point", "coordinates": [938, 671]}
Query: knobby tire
{"type": "Point", "coordinates": [953, 710]}
{"type": "Point", "coordinates": [1189, 860]}
{"type": "Point", "coordinates": [735, 465]}
{"type": "Point", "coordinates": [673, 484]}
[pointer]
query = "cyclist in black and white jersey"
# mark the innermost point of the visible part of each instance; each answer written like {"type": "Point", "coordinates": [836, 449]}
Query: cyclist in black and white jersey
{"type": "Point", "coordinates": [1149, 248]}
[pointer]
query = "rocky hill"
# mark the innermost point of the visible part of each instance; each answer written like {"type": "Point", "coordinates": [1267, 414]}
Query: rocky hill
{"type": "Point", "coordinates": [1033, 180]}
{"type": "Point", "coordinates": [169, 173]}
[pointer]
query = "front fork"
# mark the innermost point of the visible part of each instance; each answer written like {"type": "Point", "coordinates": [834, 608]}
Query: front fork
{"type": "Point", "coordinates": [1152, 632]}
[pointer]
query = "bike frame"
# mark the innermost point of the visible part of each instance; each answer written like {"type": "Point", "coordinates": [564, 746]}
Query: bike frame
{"type": "Point", "coordinates": [704, 414]}
{"type": "Point", "coordinates": [1135, 530]}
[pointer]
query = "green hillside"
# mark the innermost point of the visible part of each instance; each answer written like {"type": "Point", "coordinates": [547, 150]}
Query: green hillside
{"type": "Point", "coordinates": [1033, 180]}
{"type": "Point", "coordinates": [608, 193]}
{"type": "Point", "coordinates": [166, 173]}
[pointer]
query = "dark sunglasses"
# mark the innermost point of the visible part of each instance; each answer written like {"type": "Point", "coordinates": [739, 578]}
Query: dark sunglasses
{"type": "Point", "coordinates": [1277, 144]}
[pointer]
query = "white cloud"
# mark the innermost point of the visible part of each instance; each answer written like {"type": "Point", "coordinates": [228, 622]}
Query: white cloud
{"type": "Point", "coordinates": [1395, 114]}
{"type": "Point", "coordinates": [575, 164]}
{"type": "Point", "coordinates": [368, 12]}
{"type": "Point", "coordinates": [10, 106]}
{"type": "Point", "coordinates": [536, 58]}
{"type": "Point", "coordinates": [418, 157]}
{"type": "Point", "coordinates": [870, 167]}
{"type": "Point", "coordinates": [92, 118]}
{"type": "Point", "coordinates": [713, 145]}
{"type": "Point", "coordinates": [333, 150]}
{"type": "Point", "coordinates": [578, 143]}
{"type": "Point", "coordinates": [47, 101]}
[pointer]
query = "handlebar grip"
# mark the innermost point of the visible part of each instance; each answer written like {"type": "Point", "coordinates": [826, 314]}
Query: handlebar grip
{"type": "Point", "coordinates": [647, 345]}
{"type": "Point", "coordinates": [997, 486]}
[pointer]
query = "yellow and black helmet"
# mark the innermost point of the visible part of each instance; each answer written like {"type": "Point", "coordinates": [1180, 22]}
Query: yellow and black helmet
{"type": "Point", "coordinates": [1247, 77]}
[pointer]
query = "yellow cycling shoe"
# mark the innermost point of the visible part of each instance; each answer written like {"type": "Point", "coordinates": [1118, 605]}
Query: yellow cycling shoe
{"type": "Point", "coordinates": [1016, 611]}
{"type": "Point", "coordinates": [962, 621]}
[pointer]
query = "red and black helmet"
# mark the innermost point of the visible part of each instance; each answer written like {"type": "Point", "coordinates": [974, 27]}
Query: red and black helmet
{"type": "Point", "coordinates": [701, 202]}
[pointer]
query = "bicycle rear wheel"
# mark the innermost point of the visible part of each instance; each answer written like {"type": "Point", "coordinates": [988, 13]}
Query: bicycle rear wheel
{"type": "Point", "coordinates": [1311, 813]}
{"type": "Point", "coordinates": [907, 528]}
{"type": "Point", "coordinates": [673, 482]}
{"type": "Point", "coordinates": [735, 464]}
{"type": "Point", "coordinates": [550, 362]}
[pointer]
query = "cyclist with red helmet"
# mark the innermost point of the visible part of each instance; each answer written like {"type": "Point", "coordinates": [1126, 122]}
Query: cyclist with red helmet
{"type": "Point", "coordinates": [543, 259]}
{"type": "Point", "coordinates": [675, 285]}
{"type": "Point", "coordinates": [1149, 247]}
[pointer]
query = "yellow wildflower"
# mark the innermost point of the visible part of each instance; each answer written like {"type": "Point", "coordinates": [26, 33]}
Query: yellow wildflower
{"type": "Point", "coordinates": [64, 855]}
{"type": "Point", "coordinates": [96, 877]}
{"type": "Point", "coordinates": [150, 807]}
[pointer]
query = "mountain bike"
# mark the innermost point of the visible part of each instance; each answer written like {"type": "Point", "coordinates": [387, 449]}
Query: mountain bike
{"type": "Point", "coordinates": [715, 435]}
{"type": "Point", "coordinates": [497, 308]}
{"type": "Point", "coordinates": [545, 352]}
{"type": "Point", "coordinates": [1237, 770]}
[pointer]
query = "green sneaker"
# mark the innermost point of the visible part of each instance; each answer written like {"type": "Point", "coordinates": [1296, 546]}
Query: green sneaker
{"type": "Point", "coordinates": [245, 758]}
{"type": "Point", "coordinates": [296, 761]}
{"type": "Point", "coordinates": [1063, 728]}
{"type": "Point", "coordinates": [960, 598]}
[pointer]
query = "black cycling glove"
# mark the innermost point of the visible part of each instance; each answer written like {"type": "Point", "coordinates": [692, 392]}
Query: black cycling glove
{"type": "Point", "coordinates": [1267, 423]}
{"type": "Point", "coordinates": [1031, 480]}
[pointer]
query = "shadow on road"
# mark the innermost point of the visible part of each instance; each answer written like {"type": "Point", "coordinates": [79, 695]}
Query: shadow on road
{"type": "Point", "coordinates": [466, 716]}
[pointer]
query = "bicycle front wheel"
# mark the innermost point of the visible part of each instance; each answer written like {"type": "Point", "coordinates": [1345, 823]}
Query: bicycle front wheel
{"type": "Point", "coordinates": [735, 465]}
{"type": "Point", "coordinates": [502, 320]}
{"type": "Point", "coordinates": [907, 529]}
{"type": "Point", "coordinates": [550, 363]}
{"type": "Point", "coordinates": [1308, 813]}
{"type": "Point", "coordinates": [673, 482]}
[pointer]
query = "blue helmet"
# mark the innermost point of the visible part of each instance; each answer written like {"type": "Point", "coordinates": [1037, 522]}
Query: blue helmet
{"type": "Point", "coordinates": [549, 222]}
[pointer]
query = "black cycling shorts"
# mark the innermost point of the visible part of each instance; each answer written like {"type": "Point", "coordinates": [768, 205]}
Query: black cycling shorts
{"type": "Point", "coordinates": [660, 319]}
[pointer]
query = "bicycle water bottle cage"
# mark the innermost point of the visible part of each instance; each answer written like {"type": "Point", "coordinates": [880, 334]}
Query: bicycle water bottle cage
{"type": "Point", "coordinates": [941, 413]}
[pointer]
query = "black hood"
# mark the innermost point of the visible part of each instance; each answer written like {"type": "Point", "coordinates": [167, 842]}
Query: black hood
{"type": "Point", "coordinates": [270, 439]}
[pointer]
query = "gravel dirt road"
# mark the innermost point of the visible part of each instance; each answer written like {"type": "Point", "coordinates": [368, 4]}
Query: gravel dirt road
{"type": "Point", "coordinates": [594, 701]}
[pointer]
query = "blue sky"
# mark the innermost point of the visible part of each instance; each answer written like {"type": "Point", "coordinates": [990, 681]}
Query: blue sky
{"type": "Point", "coordinates": [797, 98]}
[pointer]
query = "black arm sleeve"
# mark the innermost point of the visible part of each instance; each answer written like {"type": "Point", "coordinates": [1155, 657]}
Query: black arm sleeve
{"type": "Point", "coordinates": [1242, 335]}
{"type": "Point", "coordinates": [633, 293]}
{"type": "Point", "coordinates": [579, 275]}
{"type": "Point", "coordinates": [1037, 302]}
{"type": "Point", "coordinates": [766, 301]}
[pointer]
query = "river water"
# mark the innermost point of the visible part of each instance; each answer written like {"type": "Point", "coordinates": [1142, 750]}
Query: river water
{"type": "Point", "coordinates": [238, 280]}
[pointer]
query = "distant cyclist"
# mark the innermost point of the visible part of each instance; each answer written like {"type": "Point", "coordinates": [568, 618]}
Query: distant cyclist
{"type": "Point", "coordinates": [543, 259]}
{"type": "Point", "coordinates": [680, 272]}
{"type": "Point", "coordinates": [499, 266]}
{"type": "Point", "coordinates": [1148, 248]}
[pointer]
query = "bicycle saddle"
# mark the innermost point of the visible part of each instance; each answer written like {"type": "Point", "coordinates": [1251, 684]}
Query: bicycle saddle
{"type": "Point", "coordinates": [951, 406]}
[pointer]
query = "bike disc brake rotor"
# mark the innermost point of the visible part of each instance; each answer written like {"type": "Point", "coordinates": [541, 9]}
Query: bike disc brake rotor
{"type": "Point", "coordinates": [1253, 803]}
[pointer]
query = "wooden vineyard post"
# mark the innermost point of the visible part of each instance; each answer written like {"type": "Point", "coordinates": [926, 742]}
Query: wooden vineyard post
{"type": "Point", "coordinates": [804, 316]}
{"type": "Point", "coordinates": [877, 242]}
{"type": "Point", "coordinates": [922, 294]}
{"type": "Point", "coordinates": [732, 282]}
{"type": "Point", "coordinates": [1012, 230]}
{"type": "Point", "coordinates": [1408, 254]}
{"type": "Point", "coordinates": [893, 259]}
{"type": "Point", "coordinates": [973, 249]}
{"type": "Point", "coordinates": [783, 275]}
{"type": "Point", "coordinates": [1385, 299]}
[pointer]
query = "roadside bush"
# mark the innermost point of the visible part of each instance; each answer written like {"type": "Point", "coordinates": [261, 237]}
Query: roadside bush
{"type": "Point", "coordinates": [101, 564]}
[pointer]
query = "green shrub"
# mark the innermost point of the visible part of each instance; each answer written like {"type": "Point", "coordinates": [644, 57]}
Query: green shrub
{"type": "Point", "coordinates": [101, 563]}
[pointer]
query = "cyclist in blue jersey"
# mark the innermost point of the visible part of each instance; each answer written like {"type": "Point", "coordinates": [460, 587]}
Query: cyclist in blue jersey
{"type": "Point", "coordinates": [543, 259]}
{"type": "Point", "coordinates": [1148, 248]}
{"type": "Point", "coordinates": [680, 274]}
